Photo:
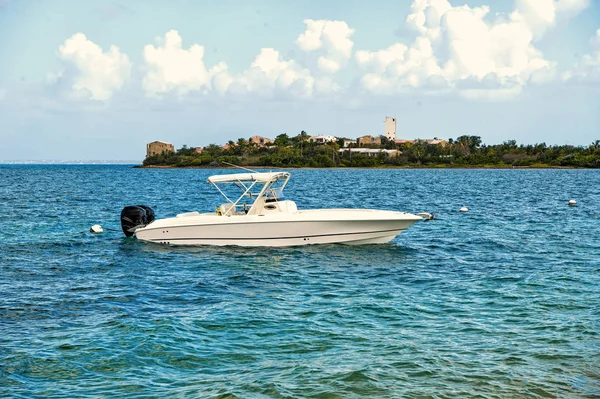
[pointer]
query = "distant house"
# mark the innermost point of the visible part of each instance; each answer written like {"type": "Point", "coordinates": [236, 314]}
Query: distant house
{"type": "Point", "coordinates": [403, 141]}
{"type": "Point", "coordinates": [158, 147]}
{"type": "Point", "coordinates": [348, 142]}
{"type": "Point", "coordinates": [372, 152]}
{"type": "Point", "coordinates": [260, 141]}
{"type": "Point", "coordinates": [321, 139]}
{"type": "Point", "coordinates": [198, 150]}
{"type": "Point", "coordinates": [441, 143]}
{"type": "Point", "coordinates": [368, 140]}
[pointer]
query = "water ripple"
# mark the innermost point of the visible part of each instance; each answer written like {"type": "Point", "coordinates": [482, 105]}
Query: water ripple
{"type": "Point", "coordinates": [501, 302]}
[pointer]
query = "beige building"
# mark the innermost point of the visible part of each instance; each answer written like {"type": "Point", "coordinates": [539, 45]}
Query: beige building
{"type": "Point", "coordinates": [368, 140]}
{"type": "Point", "coordinates": [158, 147]}
{"type": "Point", "coordinates": [260, 141]}
{"type": "Point", "coordinates": [390, 128]}
{"type": "Point", "coordinates": [441, 143]}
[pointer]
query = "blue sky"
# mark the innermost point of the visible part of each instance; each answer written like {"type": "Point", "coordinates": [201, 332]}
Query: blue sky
{"type": "Point", "coordinates": [98, 79]}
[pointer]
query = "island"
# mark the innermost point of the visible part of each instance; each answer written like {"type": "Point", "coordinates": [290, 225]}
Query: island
{"type": "Point", "coordinates": [303, 150]}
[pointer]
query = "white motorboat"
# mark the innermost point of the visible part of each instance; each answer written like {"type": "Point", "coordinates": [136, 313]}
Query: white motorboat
{"type": "Point", "coordinates": [261, 217]}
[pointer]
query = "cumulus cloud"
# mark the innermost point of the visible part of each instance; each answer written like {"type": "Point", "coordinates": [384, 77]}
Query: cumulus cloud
{"type": "Point", "coordinates": [400, 66]}
{"type": "Point", "coordinates": [455, 48]}
{"type": "Point", "coordinates": [570, 8]}
{"type": "Point", "coordinates": [170, 67]}
{"type": "Point", "coordinates": [536, 15]}
{"type": "Point", "coordinates": [92, 72]}
{"type": "Point", "coordinates": [330, 40]}
{"type": "Point", "coordinates": [587, 70]}
{"type": "Point", "coordinates": [268, 74]}
{"type": "Point", "coordinates": [464, 44]}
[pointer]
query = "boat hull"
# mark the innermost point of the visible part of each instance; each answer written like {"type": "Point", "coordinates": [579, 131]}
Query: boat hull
{"type": "Point", "coordinates": [352, 227]}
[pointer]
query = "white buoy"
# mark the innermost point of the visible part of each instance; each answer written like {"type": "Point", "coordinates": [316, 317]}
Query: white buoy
{"type": "Point", "coordinates": [96, 229]}
{"type": "Point", "coordinates": [572, 203]}
{"type": "Point", "coordinates": [464, 209]}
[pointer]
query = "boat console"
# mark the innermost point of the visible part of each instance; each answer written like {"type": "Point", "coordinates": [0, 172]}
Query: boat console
{"type": "Point", "coordinates": [259, 208]}
{"type": "Point", "coordinates": [285, 206]}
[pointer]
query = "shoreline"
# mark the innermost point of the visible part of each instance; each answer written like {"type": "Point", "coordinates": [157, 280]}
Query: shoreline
{"type": "Point", "coordinates": [366, 167]}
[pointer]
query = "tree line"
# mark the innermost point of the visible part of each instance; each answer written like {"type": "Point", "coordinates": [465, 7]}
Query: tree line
{"type": "Point", "coordinates": [464, 151]}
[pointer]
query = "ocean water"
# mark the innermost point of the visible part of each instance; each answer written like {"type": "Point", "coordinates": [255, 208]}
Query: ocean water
{"type": "Point", "coordinates": [499, 302]}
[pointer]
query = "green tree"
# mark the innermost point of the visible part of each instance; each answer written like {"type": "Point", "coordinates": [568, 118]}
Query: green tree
{"type": "Point", "coordinates": [417, 150]}
{"type": "Point", "coordinates": [282, 140]}
{"type": "Point", "coordinates": [186, 151]}
{"type": "Point", "coordinates": [301, 139]}
{"type": "Point", "coordinates": [468, 144]}
{"type": "Point", "coordinates": [212, 150]}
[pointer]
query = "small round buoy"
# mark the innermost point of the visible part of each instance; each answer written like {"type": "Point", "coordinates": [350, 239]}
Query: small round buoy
{"type": "Point", "coordinates": [572, 203]}
{"type": "Point", "coordinates": [464, 209]}
{"type": "Point", "coordinates": [96, 229]}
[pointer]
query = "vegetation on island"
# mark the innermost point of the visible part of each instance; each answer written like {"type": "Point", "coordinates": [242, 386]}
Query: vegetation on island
{"type": "Point", "coordinates": [464, 151]}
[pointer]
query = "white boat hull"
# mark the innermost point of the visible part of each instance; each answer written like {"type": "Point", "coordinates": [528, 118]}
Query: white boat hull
{"type": "Point", "coordinates": [345, 226]}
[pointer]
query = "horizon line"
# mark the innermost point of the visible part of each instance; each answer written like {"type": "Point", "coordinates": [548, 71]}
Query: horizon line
{"type": "Point", "coordinates": [65, 162]}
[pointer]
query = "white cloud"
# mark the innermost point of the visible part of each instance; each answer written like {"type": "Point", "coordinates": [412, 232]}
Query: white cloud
{"type": "Point", "coordinates": [330, 39]}
{"type": "Point", "coordinates": [570, 8]}
{"type": "Point", "coordinates": [588, 68]}
{"type": "Point", "coordinates": [536, 15]}
{"type": "Point", "coordinates": [399, 66]}
{"type": "Point", "coordinates": [90, 70]}
{"type": "Point", "coordinates": [462, 49]}
{"type": "Point", "coordinates": [268, 74]}
{"type": "Point", "coordinates": [326, 86]}
{"type": "Point", "coordinates": [378, 61]}
{"type": "Point", "coordinates": [170, 67]}
{"type": "Point", "coordinates": [461, 43]}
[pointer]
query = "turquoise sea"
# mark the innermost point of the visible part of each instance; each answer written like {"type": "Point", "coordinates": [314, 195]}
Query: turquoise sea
{"type": "Point", "coordinates": [499, 302]}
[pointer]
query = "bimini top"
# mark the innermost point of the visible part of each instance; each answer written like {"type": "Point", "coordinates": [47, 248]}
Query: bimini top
{"type": "Point", "coordinates": [256, 177]}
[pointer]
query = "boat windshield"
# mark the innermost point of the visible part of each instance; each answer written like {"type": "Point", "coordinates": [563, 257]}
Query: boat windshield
{"type": "Point", "coordinates": [274, 190]}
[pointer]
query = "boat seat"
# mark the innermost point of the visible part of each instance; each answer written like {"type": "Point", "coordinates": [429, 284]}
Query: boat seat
{"type": "Point", "coordinates": [225, 208]}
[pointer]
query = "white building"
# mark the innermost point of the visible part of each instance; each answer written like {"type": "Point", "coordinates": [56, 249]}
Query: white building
{"type": "Point", "coordinates": [322, 139]}
{"type": "Point", "coordinates": [372, 152]}
{"type": "Point", "coordinates": [390, 128]}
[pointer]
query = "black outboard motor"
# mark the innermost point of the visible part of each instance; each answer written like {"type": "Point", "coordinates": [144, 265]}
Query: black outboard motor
{"type": "Point", "coordinates": [136, 216]}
